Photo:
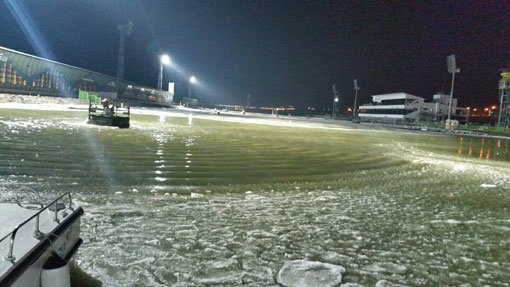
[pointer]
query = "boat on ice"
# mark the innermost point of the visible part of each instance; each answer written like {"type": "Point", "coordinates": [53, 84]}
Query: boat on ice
{"type": "Point", "coordinates": [109, 115]}
{"type": "Point", "coordinates": [37, 240]}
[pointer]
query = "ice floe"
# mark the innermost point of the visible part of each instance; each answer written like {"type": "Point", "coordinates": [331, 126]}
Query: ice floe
{"type": "Point", "coordinates": [386, 283]}
{"type": "Point", "coordinates": [304, 273]}
{"type": "Point", "coordinates": [196, 195]}
{"type": "Point", "coordinates": [487, 185]}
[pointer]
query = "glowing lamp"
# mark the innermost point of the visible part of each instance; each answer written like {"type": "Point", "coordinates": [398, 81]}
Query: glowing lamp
{"type": "Point", "coordinates": [165, 59]}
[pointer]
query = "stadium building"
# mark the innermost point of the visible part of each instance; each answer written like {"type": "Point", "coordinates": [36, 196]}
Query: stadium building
{"type": "Point", "coordinates": [22, 73]}
{"type": "Point", "coordinates": [403, 107]}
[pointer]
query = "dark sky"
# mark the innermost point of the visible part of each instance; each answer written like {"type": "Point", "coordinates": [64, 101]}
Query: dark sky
{"type": "Point", "coordinates": [281, 52]}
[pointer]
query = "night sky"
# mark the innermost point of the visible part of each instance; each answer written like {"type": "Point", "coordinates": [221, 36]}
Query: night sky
{"type": "Point", "coordinates": [280, 52]}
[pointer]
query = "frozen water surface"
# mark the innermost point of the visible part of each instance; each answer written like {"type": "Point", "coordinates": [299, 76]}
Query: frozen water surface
{"type": "Point", "coordinates": [169, 203]}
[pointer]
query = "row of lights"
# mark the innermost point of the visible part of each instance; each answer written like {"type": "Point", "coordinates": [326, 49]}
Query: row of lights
{"type": "Point", "coordinates": [488, 109]}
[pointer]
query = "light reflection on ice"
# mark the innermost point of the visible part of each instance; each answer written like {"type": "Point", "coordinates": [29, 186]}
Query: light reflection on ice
{"type": "Point", "coordinates": [410, 217]}
{"type": "Point", "coordinates": [244, 238]}
{"type": "Point", "coordinates": [496, 172]}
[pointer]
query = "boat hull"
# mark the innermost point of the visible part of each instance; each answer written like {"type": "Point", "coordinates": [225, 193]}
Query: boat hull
{"type": "Point", "coordinates": [114, 121]}
{"type": "Point", "coordinates": [64, 239]}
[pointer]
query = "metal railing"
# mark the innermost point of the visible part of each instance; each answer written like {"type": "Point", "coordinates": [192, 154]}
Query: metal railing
{"type": "Point", "coordinates": [37, 232]}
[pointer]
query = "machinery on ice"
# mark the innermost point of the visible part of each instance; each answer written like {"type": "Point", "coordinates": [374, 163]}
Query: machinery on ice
{"type": "Point", "coordinates": [109, 114]}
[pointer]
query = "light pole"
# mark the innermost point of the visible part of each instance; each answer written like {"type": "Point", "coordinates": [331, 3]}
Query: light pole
{"type": "Point", "coordinates": [192, 80]}
{"type": "Point", "coordinates": [335, 107]}
{"type": "Point", "coordinates": [163, 60]}
{"type": "Point", "coordinates": [452, 69]}
{"type": "Point", "coordinates": [124, 30]}
{"type": "Point", "coordinates": [356, 88]}
{"type": "Point", "coordinates": [336, 99]}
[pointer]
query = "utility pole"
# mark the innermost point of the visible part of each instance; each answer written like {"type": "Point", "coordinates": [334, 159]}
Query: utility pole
{"type": "Point", "coordinates": [356, 88]}
{"type": "Point", "coordinates": [192, 80]}
{"type": "Point", "coordinates": [160, 77]}
{"type": "Point", "coordinates": [163, 60]}
{"type": "Point", "coordinates": [452, 69]}
{"type": "Point", "coordinates": [335, 102]}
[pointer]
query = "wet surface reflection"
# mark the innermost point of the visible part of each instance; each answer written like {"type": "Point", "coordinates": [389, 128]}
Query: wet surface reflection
{"type": "Point", "coordinates": [487, 148]}
{"type": "Point", "coordinates": [169, 203]}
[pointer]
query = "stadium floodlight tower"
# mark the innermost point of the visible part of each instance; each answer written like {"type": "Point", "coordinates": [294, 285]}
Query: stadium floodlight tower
{"type": "Point", "coordinates": [192, 80]}
{"type": "Point", "coordinates": [336, 99]}
{"type": "Point", "coordinates": [504, 97]}
{"type": "Point", "coordinates": [163, 60]}
{"type": "Point", "coordinates": [356, 88]}
{"type": "Point", "coordinates": [452, 69]}
{"type": "Point", "coordinates": [124, 30]}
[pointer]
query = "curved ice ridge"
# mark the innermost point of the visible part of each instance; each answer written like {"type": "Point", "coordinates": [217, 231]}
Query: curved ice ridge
{"type": "Point", "coordinates": [495, 171]}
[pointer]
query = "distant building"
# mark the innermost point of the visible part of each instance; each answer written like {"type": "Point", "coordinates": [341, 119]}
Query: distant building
{"type": "Point", "coordinates": [403, 107]}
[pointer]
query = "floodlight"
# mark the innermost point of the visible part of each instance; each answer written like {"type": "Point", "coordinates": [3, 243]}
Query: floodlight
{"type": "Point", "coordinates": [165, 59]}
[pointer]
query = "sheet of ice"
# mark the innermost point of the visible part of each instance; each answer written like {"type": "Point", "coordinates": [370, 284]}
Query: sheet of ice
{"type": "Point", "coordinates": [196, 195]}
{"type": "Point", "coordinates": [496, 172]}
{"type": "Point", "coordinates": [387, 267]}
{"type": "Point", "coordinates": [386, 283]}
{"type": "Point", "coordinates": [302, 273]}
{"type": "Point", "coordinates": [414, 213]}
{"type": "Point", "coordinates": [488, 185]}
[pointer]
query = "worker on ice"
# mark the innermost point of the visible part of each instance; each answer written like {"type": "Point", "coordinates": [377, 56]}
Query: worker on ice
{"type": "Point", "coordinates": [105, 103]}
